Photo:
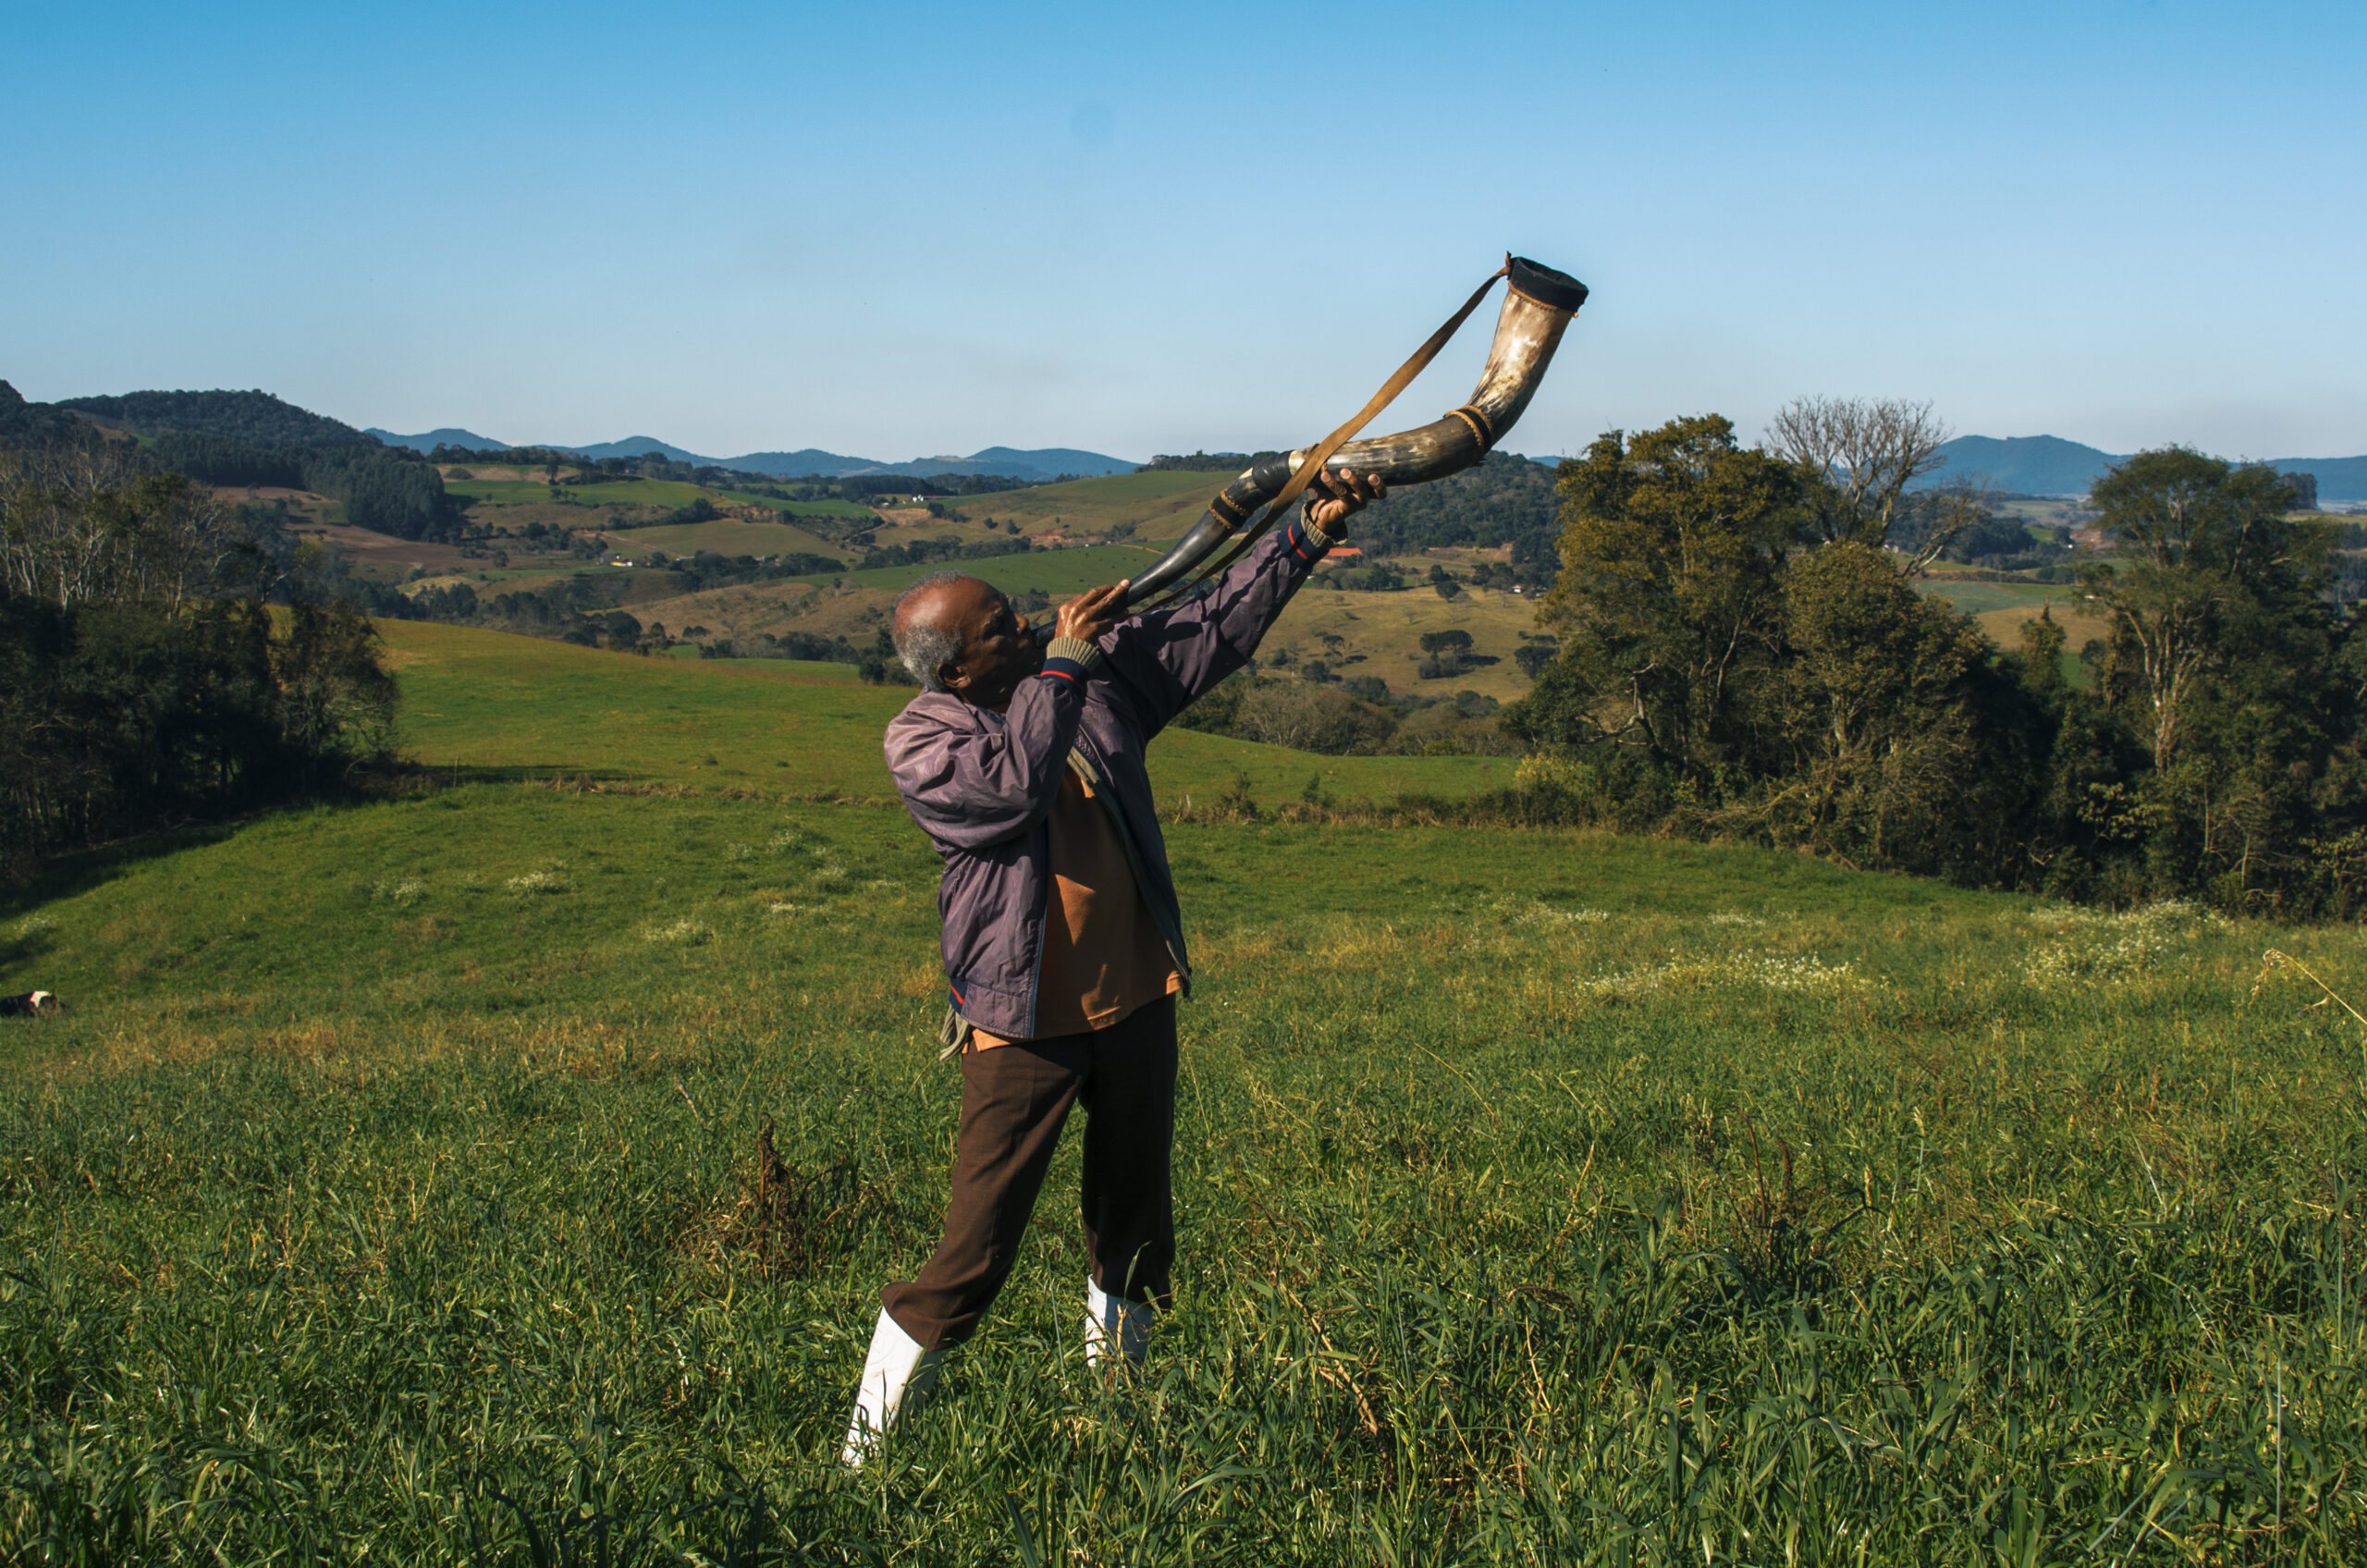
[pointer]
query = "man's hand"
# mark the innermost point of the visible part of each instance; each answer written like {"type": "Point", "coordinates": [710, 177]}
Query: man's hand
{"type": "Point", "coordinates": [1091, 613]}
{"type": "Point", "coordinates": [1335, 498]}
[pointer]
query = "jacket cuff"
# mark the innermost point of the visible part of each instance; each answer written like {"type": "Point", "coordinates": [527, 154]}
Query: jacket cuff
{"type": "Point", "coordinates": [1071, 658]}
{"type": "Point", "coordinates": [1309, 542]}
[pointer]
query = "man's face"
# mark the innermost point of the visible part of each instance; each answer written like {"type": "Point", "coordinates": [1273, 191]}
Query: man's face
{"type": "Point", "coordinates": [994, 657]}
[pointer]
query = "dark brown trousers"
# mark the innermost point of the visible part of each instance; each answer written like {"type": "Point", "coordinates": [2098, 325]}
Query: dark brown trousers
{"type": "Point", "coordinates": [1015, 1099]}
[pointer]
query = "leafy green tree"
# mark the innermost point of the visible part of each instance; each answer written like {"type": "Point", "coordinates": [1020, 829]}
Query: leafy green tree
{"type": "Point", "coordinates": [1310, 717]}
{"type": "Point", "coordinates": [1669, 607]}
{"type": "Point", "coordinates": [2213, 573]}
{"type": "Point", "coordinates": [1887, 707]}
{"type": "Point", "coordinates": [2227, 665]}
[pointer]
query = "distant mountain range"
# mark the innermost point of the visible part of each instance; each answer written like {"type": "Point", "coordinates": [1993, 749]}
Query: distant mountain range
{"type": "Point", "coordinates": [2048, 465]}
{"type": "Point", "coordinates": [2026, 465]}
{"type": "Point", "coordinates": [1038, 463]}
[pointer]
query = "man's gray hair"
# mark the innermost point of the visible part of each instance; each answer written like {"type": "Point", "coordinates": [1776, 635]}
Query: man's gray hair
{"type": "Point", "coordinates": [927, 646]}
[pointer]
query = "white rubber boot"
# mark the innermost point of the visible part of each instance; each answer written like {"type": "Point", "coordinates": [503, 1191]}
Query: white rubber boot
{"type": "Point", "coordinates": [896, 1371]}
{"type": "Point", "coordinates": [1114, 1325]}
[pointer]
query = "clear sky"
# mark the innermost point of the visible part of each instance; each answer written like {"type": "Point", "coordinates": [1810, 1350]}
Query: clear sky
{"type": "Point", "coordinates": [898, 230]}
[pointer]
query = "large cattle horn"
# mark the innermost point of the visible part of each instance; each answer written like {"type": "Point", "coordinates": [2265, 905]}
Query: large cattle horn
{"type": "Point", "coordinates": [1539, 303]}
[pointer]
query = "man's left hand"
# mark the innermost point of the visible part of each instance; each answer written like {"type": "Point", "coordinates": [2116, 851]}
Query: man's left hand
{"type": "Point", "coordinates": [1335, 498]}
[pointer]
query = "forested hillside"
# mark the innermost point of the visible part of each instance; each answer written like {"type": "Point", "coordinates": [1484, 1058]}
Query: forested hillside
{"type": "Point", "coordinates": [145, 678]}
{"type": "Point", "coordinates": [1507, 500]}
{"type": "Point", "coordinates": [257, 418]}
{"type": "Point", "coordinates": [256, 439]}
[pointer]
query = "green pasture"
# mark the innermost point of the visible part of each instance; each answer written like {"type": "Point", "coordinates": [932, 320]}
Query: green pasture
{"type": "Point", "coordinates": [1053, 572]}
{"type": "Point", "coordinates": [487, 703]}
{"type": "Point", "coordinates": [389, 1191]}
{"type": "Point", "coordinates": [520, 492]}
{"type": "Point", "coordinates": [1978, 598]}
{"type": "Point", "coordinates": [810, 670]}
{"type": "Point", "coordinates": [1161, 506]}
{"type": "Point", "coordinates": [847, 509]}
{"type": "Point", "coordinates": [728, 536]}
{"type": "Point", "coordinates": [665, 493]}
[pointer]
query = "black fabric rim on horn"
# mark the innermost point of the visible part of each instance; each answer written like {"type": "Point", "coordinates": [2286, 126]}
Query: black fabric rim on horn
{"type": "Point", "coordinates": [1547, 286]}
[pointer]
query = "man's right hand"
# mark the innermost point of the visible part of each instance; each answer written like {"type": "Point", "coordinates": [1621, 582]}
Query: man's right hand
{"type": "Point", "coordinates": [1091, 613]}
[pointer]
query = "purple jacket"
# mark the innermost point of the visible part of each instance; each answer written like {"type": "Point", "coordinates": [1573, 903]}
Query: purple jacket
{"type": "Point", "coordinates": [980, 783]}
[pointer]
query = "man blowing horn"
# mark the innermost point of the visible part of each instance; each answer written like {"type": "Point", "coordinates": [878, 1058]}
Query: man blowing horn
{"type": "Point", "coordinates": [1064, 942]}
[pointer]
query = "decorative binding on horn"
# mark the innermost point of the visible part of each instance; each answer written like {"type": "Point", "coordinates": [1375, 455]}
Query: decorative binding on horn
{"type": "Point", "coordinates": [1226, 508]}
{"type": "Point", "coordinates": [1481, 430]}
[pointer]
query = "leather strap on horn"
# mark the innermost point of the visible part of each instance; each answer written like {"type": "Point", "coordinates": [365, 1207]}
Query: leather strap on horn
{"type": "Point", "coordinates": [1304, 475]}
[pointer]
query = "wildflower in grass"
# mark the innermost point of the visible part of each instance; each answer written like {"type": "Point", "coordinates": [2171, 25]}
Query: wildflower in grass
{"type": "Point", "coordinates": [33, 925]}
{"type": "Point", "coordinates": [1775, 972]}
{"type": "Point", "coordinates": [738, 852]}
{"type": "Point", "coordinates": [684, 930]}
{"type": "Point", "coordinates": [1548, 914]}
{"type": "Point", "coordinates": [1804, 972]}
{"type": "Point", "coordinates": [409, 891]}
{"type": "Point", "coordinates": [2115, 945]}
{"type": "Point", "coordinates": [784, 909]}
{"type": "Point", "coordinates": [786, 839]}
{"type": "Point", "coordinates": [1735, 917]}
{"type": "Point", "coordinates": [551, 878]}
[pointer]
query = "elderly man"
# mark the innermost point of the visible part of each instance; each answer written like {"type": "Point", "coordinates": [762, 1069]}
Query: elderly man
{"type": "Point", "coordinates": [1064, 942]}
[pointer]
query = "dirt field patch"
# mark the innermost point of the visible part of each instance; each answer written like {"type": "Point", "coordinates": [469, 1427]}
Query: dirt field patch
{"type": "Point", "coordinates": [366, 549]}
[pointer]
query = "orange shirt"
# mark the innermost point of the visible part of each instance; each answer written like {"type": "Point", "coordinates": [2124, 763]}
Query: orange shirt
{"type": "Point", "coordinates": [1103, 955]}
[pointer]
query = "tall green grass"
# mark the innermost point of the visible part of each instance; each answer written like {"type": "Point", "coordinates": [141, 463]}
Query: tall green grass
{"type": "Point", "coordinates": [389, 1193]}
{"type": "Point", "coordinates": [486, 703]}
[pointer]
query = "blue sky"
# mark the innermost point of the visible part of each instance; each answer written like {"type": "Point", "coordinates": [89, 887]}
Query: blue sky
{"type": "Point", "coordinates": [898, 230]}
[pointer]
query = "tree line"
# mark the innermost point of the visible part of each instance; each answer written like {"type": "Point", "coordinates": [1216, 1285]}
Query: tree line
{"type": "Point", "coordinates": [861, 488]}
{"type": "Point", "coordinates": [257, 419]}
{"type": "Point", "coordinates": [160, 657]}
{"type": "Point", "coordinates": [1741, 652]}
{"type": "Point", "coordinates": [383, 489]}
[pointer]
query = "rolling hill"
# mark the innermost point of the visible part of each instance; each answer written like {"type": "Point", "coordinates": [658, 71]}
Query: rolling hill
{"type": "Point", "coordinates": [428, 440]}
{"type": "Point", "coordinates": [2049, 465]}
{"type": "Point", "coordinates": [1042, 463]}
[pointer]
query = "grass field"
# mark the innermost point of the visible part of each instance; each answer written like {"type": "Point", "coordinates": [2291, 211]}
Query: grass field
{"type": "Point", "coordinates": [728, 536]}
{"type": "Point", "coordinates": [484, 703]}
{"type": "Point", "coordinates": [1161, 506]}
{"type": "Point", "coordinates": [847, 510]}
{"type": "Point", "coordinates": [1052, 571]}
{"type": "Point", "coordinates": [387, 1193]}
{"type": "Point", "coordinates": [855, 603]}
{"type": "Point", "coordinates": [1380, 635]}
{"type": "Point", "coordinates": [501, 487]}
{"type": "Point", "coordinates": [2001, 609]}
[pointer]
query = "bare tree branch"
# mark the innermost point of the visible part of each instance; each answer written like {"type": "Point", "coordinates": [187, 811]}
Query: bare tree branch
{"type": "Point", "coordinates": [1861, 454]}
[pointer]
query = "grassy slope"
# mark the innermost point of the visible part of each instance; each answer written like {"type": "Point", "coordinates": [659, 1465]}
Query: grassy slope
{"type": "Point", "coordinates": [2002, 609]}
{"type": "Point", "coordinates": [529, 707]}
{"type": "Point", "coordinates": [1059, 572]}
{"type": "Point", "coordinates": [509, 487]}
{"type": "Point", "coordinates": [727, 536]}
{"type": "Point", "coordinates": [1386, 629]}
{"type": "Point", "coordinates": [387, 1193]}
{"type": "Point", "coordinates": [855, 603]}
{"type": "Point", "coordinates": [1161, 506]}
